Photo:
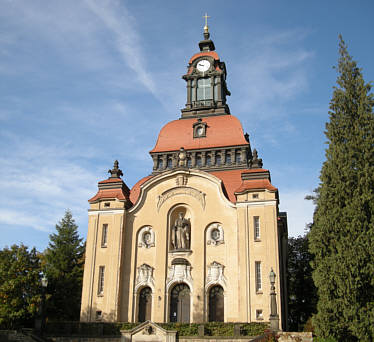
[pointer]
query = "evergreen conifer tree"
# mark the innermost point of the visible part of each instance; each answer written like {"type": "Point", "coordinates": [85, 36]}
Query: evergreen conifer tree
{"type": "Point", "coordinates": [342, 234]}
{"type": "Point", "coordinates": [63, 261]}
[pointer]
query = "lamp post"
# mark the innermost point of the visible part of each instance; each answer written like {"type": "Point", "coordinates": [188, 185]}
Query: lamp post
{"type": "Point", "coordinates": [274, 317]}
{"type": "Point", "coordinates": [44, 282]}
{"type": "Point", "coordinates": [40, 320]}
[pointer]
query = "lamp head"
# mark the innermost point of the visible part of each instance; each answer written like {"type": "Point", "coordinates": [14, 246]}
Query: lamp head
{"type": "Point", "coordinates": [272, 276]}
{"type": "Point", "coordinates": [44, 281]}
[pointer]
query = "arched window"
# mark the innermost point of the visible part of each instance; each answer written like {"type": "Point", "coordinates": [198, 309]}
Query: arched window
{"type": "Point", "coordinates": [170, 163]}
{"type": "Point", "coordinates": [216, 304]}
{"type": "Point", "coordinates": [160, 164]}
{"type": "Point", "coordinates": [228, 159]}
{"type": "Point", "coordinates": [145, 304]}
{"type": "Point", "coordinates": [180, 303]}
{"type": "Point", "coordinates": [218, 159]}
{"type": "Point", "coordinates": [198, 161]}
{"type": "Point", "coordinates": [208, 160]}
{"type": "Point", "coordinates": [237, 157]}
{"type": "Point", "coordinates": [189, 162]}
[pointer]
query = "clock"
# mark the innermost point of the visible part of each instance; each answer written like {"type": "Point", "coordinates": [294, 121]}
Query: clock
{"type": "Point", "coordinates": [203, 65]}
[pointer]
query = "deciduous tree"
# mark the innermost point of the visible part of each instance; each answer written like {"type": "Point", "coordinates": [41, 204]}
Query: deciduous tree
{"type": "Point", "coordinates": [19, 286]}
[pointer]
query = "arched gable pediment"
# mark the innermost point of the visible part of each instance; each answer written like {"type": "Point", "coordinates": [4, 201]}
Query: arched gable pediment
{"type": "Point", "coordinates": [181, 183]}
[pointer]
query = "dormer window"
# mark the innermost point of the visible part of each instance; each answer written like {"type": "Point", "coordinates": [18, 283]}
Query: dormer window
{"type": "Point", "coordinates": [199, 129]}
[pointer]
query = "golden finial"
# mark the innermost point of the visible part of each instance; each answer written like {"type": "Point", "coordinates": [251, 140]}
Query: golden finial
{"type": "Point", "coordinates": [206, 27]}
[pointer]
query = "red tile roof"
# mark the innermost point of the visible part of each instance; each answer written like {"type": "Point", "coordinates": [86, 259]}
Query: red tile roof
{"type": "Point", "coordinates": [108, 193]}
{"type": "Point", "coordinates": [135, 191]}
{"type": "Point", "coordinates": [205, 53]}
{"type": "Point", "coordinates": [233, 183]}
{"type": "Point", "coordinates": [222, 130]}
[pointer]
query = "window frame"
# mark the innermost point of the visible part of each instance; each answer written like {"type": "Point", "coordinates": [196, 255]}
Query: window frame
{"type": "Point", "coordinates": [100, 285]}
{"type": "Point", "coordinates": [256, 228]}
{"type": "Point", "coordinates": [104, 235]}
{"type": "Point", "coordinates": [258, 280]}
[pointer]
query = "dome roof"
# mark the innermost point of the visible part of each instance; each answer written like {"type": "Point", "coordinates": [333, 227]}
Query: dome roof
{"type": "Point", "coordinates": [222, 131]}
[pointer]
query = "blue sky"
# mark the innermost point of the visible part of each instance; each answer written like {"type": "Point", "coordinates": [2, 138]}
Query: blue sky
{"type": "Point", "coordinates": [86, 82]}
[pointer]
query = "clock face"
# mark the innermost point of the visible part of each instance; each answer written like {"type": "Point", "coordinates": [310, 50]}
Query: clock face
{"type": "Point", "coordinates": [203, 65]}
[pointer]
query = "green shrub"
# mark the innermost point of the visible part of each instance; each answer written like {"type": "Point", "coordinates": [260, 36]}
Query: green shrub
{"type": "Point", "coordinates": [324, 339]}
{"type": "Point", "coordinates": [183, 329]}
{"type": "Point", "coordinates": [253, 329]}
{"type": "Point", "coordinates": [128, 326]}
{"type": "Point", "coordinates": [219, 329]}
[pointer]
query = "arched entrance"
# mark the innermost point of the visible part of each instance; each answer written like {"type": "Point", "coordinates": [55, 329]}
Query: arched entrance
{"type": "Point", "coordinates": [216, 304]}
{"type": "Point", "coordinates": [180, 304]}
{"type": "Point", "coordinates": [145, 304]}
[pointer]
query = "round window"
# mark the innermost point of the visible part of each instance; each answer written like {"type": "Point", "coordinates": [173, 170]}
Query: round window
{"type": "Point", "coordinates": [200, 131]}
{"type": "Point", "coordinates": [215, 234]}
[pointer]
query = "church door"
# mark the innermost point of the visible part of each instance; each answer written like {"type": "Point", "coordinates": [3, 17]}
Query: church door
{"type": "Point", "coordinates": [180, 304]}
{"type": "Point", "coordinates": [145, 305]}
{"type": "Point", "coordinates": [216, 304]}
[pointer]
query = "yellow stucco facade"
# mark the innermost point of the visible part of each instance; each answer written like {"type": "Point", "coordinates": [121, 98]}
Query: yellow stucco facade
{"type": "Point", "coordinates": [196, 240]}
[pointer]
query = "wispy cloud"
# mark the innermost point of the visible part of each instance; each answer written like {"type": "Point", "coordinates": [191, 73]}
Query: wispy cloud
{"type": "Point", "coordinates": [274, 73]}
{"type": "Point", "coordinates": [39, 182]}
{"type": "Point", "coordinates": [122, 25]}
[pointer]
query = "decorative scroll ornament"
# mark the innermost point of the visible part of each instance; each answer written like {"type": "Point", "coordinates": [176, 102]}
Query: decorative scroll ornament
{"type": "Point", "coordinates": [215, 234]}
{"type": "Point", "coordinates": [145, 276]}
{"type": "Point", "coordinates": [182, 190]}
{"type": "Point", "coordinates": [179, 273]}
{"type": "Point", "coordinates": [146, 237]}
{"type": "Point", "coordinates": [148, 330]}
{"type": "Point", "coordinates": [181, 180]}
{"type": "Point", "coordinates": [215, 274]}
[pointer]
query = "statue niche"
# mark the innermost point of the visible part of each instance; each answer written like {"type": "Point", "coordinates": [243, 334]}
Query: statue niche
{"type": "Point", "coordinates": [181, 233]}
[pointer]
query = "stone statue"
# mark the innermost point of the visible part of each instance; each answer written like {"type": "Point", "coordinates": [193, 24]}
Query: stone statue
{"type": "Point", "coordinates": [181, 233]}
{"type": "Point", "coordinates": [182, 158]}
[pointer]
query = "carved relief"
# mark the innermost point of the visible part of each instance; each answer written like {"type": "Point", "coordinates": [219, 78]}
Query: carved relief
{"type": "Point", "coordinates": [148, 330]}
{"type": "Point", "coordinates": [146, 237]}
{"type": "Point", "coordinates": [179, 273]}
{"type": "Point", "coordinates": [214, 234]}
{"type": "Point", "coordinates": [181, 180]}
{"type": "Point", "coordinates": [215, 274]}
{"type": "Point", "coordinates": [145, 276]}
{"type": "Point", "coordinates": [200, 196]}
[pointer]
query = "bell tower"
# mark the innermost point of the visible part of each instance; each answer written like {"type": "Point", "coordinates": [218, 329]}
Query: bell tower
{"type": "Point", "coordinates": [206, 81]}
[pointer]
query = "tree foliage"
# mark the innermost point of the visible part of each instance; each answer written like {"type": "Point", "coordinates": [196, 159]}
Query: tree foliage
{"type": "Point", "coordinates": [342, 235]}
{"type": "Point", "coordinates": [63, 262]}
{"type": "Point", "coordinates": [302, 293]}
{"type": "Point", "coordinates": [19, 286]}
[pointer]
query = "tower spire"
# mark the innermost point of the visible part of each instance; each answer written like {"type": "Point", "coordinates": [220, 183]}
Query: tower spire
{"type": "Point", "coordinates": [206, 27]}
{"type": "Point", "coordinates": [206, 44]}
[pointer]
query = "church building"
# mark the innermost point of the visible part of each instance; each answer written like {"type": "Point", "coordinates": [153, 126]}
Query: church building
{"type": "Point", "coordinates": [196, 240]}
